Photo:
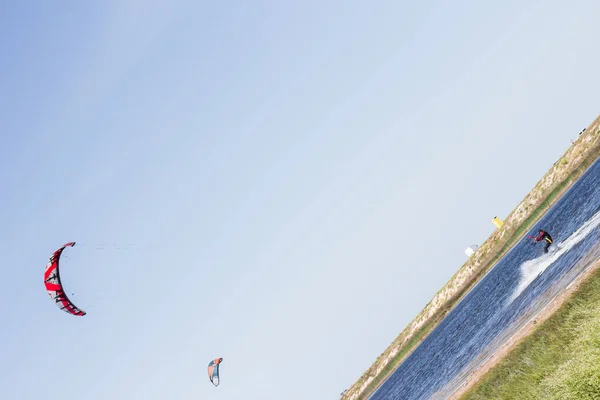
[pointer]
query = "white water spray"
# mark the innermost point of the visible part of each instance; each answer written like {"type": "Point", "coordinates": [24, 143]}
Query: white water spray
{"type": "Point", "coordinates": [531, 269]}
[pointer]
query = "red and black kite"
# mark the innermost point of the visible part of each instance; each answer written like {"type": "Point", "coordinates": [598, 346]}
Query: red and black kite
{"type": "Point", "coordinates": [54, 285]}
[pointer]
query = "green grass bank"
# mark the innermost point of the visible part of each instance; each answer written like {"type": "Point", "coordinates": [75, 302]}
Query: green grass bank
{"type": "Point", "coordinates": [560, 360]}
{"type": "Point", "coordinates": [565, 171]}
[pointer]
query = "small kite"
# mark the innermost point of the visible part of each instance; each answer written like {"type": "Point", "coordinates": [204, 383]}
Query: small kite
{"type": "Point", "coordinates": [54, 285]}
{"type": "Point", "coordinates": [213, 371]}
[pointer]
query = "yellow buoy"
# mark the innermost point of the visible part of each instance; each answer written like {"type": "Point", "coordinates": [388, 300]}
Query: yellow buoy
{"type": "Point", "coordinates": [498, 222]}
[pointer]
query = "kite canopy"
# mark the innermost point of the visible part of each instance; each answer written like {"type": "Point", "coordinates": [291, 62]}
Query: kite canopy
{"type": "Point", "coordinates": [213, 371]}
{"type": "Point", "coordinates": [54, 285]}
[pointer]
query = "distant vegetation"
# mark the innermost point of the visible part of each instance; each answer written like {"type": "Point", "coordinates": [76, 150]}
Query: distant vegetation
{"type": "Point", "coordinates": [560, 360]}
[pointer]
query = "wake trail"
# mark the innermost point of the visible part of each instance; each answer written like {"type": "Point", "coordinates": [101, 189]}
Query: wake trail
{"type": "Point", "coordinates": [531, 269]}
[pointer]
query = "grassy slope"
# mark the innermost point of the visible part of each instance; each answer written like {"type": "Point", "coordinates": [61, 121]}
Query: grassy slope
{"type": "Point", "coordinates": [560, 360]}
{"type": "Point", "coordinates": [574, 163]}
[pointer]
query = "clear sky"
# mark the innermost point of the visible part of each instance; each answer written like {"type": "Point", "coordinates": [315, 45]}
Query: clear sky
{"type": "Point", "coordinates": [281, 184]}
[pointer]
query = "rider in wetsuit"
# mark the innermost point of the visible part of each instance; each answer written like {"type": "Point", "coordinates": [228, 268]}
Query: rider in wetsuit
{"type": "Point", "coordinates": [544, 236]}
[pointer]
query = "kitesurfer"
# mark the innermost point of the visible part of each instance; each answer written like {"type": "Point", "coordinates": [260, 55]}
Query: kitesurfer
{"type": "Point", "coordinates": [544, 236]}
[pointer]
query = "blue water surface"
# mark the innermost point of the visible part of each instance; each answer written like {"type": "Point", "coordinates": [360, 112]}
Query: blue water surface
{"type": "Point", "coordinates": [490, 308]}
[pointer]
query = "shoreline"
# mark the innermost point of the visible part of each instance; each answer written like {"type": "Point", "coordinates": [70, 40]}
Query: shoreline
{"type": "Point", "coordinates": [558, 180]}
{"type": "Point", "coordinates": [454, 300]}
{"type": "Point", "coordinates": [522, 333]}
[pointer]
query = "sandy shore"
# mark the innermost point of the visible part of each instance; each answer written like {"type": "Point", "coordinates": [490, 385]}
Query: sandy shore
{"type": "Point", "coordinates": [476, 374]}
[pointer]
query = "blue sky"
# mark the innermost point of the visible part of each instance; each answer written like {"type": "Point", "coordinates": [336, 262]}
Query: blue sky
{"type": "Point", "coordinates": [281, 184]}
